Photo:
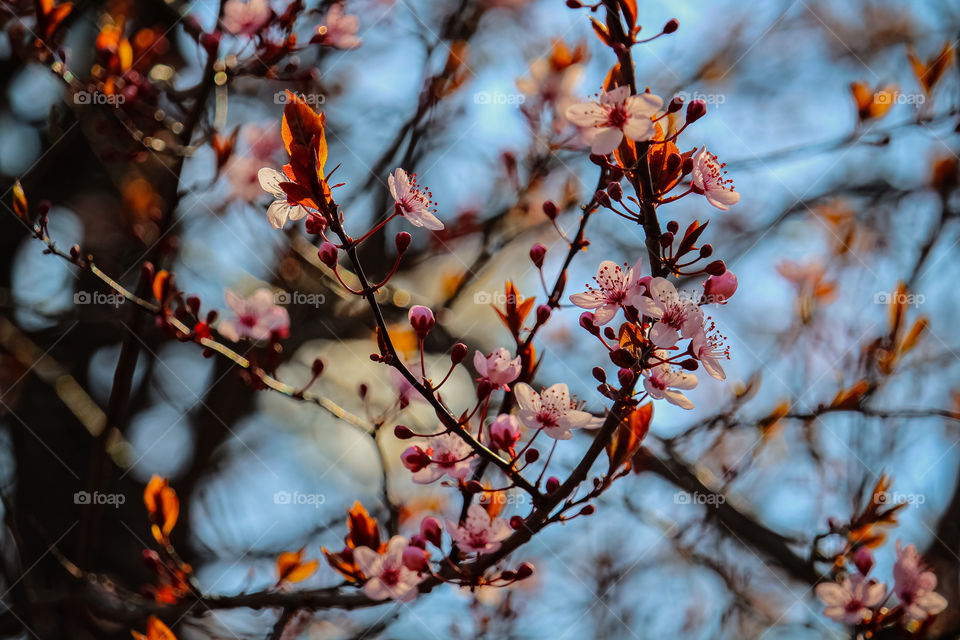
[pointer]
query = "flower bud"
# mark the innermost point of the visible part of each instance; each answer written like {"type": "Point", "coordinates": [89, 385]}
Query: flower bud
{"type": "Point", "coordinates": [402, 432]}
{"type": "Point", "coordinates": [622, 358]}
{"type": "Point", "coordinates": [599, 374]}
{"type": "Point", "coordinates": [674, 160]}
{"type": "Point", "coordinates": [524, 571]}
{"type": "Point", "coordinates": [537, 252]}
{"type": "Point", "coordinates": [516, 522]}
{"type": "Point", "coordinates": [416, 540]}
{"type": "Point", "coordinates": [402, 240]}
{"type": "Point", "coordinates": [609, 333]}
{"type": "Point", "coordinates": [673, 226]}
{"type": "Point", "coordinates": [687, 166]}
{"type": "Point", "coordinates": [508, 575]}
{"type": "Point", "coordinates": [543, 313]}
{"type": "Point", "coordinates": [586, 321]}
{"type": "Point", "coordinates": [671, 26]}
{"type": "Point", "coordinates": [716, 268]}
{"type": "Point", "coordinates": [588, 510]}
{"type": "Point", "coordinates": [626, 377]}
{"type": "Point", "coordinates": [690, 364]}
{"type": "Point", "coordinates": [414, 458]}
{"type": "Point", "coordinates": [193, 305]}
{"type": "Point", "coordinates": [550, 209]}
{"type": "Point", "coordinates": [473, 487]}
{"type": "Point", "coordinates": [706, 251]}
{"type": "Point", "coordinates": [574, 4]}
{"type": "Point", "coordinates": [504, 432]}
{"type": "Point", "coordinates": [317, 367]}
{"type": "Point", "coordinates": [720, 288]}
{"type": "Point", "coordinates": [531, 456]}
{"type": "Point", "coordinates": [431, 531]}
{"type": "Point", "coordinates": [415, 559]}
{"type": "Point", "coordinates": [615, 191]}
{"type": "Point", "coordinates": [863, 560]}
{"type": "Point", "coordinates": [328, 254]}
{"type": "Point", "coordinates": [553, 483]}
{"type": "Point", "coordinates": [675, 104]}
{"type": "Point", "coordinates": [597, 159]}
{"type": "Point", "coordinates": [666, 239]}
{"type": "Point", "coordinates": [315, 225]}
{"type": "Point", "coordinates": [602, 198]}
{"type": "Point", "coordinates": [210, 41]}
{"type": "Point", "coordinates": [457, 353]}
{"type": "Point", "coordinates": [484, 388]}
{"type": "Point", "coordinates": [362, 390]}
{"type": "Point", "coordinates": [614, 173]}
{"type": "Point", "coordinates": [696, 110]}
{"type": "Point", "coordinates": [422, 320]}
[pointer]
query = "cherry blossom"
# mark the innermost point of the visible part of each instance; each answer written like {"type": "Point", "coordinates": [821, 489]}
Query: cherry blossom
{"type": "Point", "coordinates": [616, 114]}
{"type": "Point", "coordinates": [663, 381]}
{"type": "Point", "coordinates": [479, 533]}
{"type": "Point", "coordinates": [707, 177]}
{"type": "Point", "coordinates": [616, 286]}
{"type": "Point", "coordinates": [675, 316]}
{"type": "Point", "coordinates": [257, 317]}
{"type": "Point", "coordinates": [850, 600]}
{"type": "Point", "coordinates": [551, 411]}
{"type": "Point", "coordinates": [413, 201]}
{"type": "Point", "coordinates": [245, 18]}
{"type": "Point", "coordinates": [504, 432]}
{"type": "Point", "coordinates": [448, 455]}
{"type": "Point", "coordinates": [914, 584]}
{"type": "Point", "coordinates": [497, 369]}
{"type": "Point", "coordinates": [387, 576]}
{"type": "Point", "coordinates": [280, 210]}
{"type": "Point", "coordinates": [709, 349]}
{"type": "Point", "coordinates": [720, 288]}
{"type": "Point", "coordinates": [340, 29]}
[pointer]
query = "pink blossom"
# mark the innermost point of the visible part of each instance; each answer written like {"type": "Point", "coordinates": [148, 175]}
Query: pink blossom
{"type": "Point", "coordinates": [614, 115]}
{"type": "Point", "coordinates": [707, 177]}
{"type": "Point", "coordinates": [413, 201]}
{"type": "Point", "coordinates": [674, 316]}
{"type": "Point", "coordinates": [497, 368]}
{"type": "Point", "coordinates": [257, 317]}
{"type": "Point", "coordinates": [914, 584]}
{"type": "Point", "coordinates": [340, 29]}
{"type": "Point", "coordinates": [387, 576]}
{"type": "Point", "coordinates": [479, 533]}
{"type": "Point", "coordinates": [264, 142]}
{"type": "Point", "coordinates": [551, 411]}
{"type": "Point", "coordinates": [720, 288]}
{"type": "Point", "coordinates": [663, 381]}
{"type": "Point", "coordinates": [448, 455]}
{"type": "Point", "coordinates": [851, 600]}
{"type": "Point", "coordinates": [245, 18]}
{"type": "Point", "coordinates": [504, 432]}
{"type": "Point", "coordinates": [709, 349]}
{"type": "Point", "coordinates": [616, 286]}
{"type": "Point", "coordinates": [280, 210]}
{"type": "Point", "coordinates": [421, 319]}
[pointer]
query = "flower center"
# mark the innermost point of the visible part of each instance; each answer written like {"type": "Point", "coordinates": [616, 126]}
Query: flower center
{"type": "Point", "coordinates": [547, 419]}
{"type": "Point", "coordinates": [617, 117]}
{"type": "Point", "coordinates": [390, 577]}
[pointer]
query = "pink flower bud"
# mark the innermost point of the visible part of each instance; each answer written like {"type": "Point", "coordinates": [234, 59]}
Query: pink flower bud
{"type": "Point", "coordinates": [403, 241]}
{"type": "Point", "coordinates": [458, 352]}
{"type": "Point", "coordinates": [696, 110]}
{"type": "Point", "coordinates": [675, 105]}
{"type": "Point", "coordinates": [543, 313]}
{"type": "Point", "coordinates": [626, 377]}
{"type": "Point", "coordinates": [863, 559]}
{"type": "Point", "coordinates": [422, 320]}
{"type": "Point", "coordinates": [553, 483]}
{"type": "Point", "coordinates": [537, 252]}
{"type": "Point", "coordinates": [720, 288]}
{"type": "Point", "coordinates": [416, 559]}
{"type": "Point", "coordinates": [586, 321]}
{"type": "Point", "coordinates": [531, 456]}
{"type": "Point", "coordinates": [550, 209]}
{"type": "Point", "coordinates": [328, 254]}
{"type": "Point", "coordinates": [599, 374]}
{"type": "Point", "coordinates": [716, 268]}
{"type": "Point", "coordinates": [516, 522]}
{"type": "Point", "coordinates": [504, 432]}
{"type": "Point", "coordinates": [414, 458]}
{"type": "Point", "coordinates": [431, 531]}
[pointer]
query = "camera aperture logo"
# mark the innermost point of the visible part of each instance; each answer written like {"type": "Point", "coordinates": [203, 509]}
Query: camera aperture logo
{"type": "Point", "coordinates": [110, 499]}
{"type": "Point", "coordinates": [296, 498]}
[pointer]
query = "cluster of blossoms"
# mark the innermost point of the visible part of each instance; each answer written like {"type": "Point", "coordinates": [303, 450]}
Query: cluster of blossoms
{"type": "Point", "coordinates": [859, 600]}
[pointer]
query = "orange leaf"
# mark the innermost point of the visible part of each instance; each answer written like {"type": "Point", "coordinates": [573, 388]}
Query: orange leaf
{"type": "Point", "coordinates": [364, 531]}
{"type": "Point", "coordinates": [163, 508]}
{"type": "Point", "coordinates": [156, 630]}
{"type": "Point", "coordinates": [301, 125]}
{"type": "Point", "coordinates": [929, 73]}
{"type": "Point", "coordinates": [629, 435]}
{"type": "Point", "coordinates": [20, 201]}
{"type": "Point", "coordinates": [292, 568]}
{"type": "Point", "coordinates": [601, 32]}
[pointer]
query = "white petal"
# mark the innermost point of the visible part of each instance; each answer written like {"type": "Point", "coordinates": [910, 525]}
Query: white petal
{"type": "Point", "coordinates": [526, 397]}
{"type": "Point", "coordinates": [270, 180]}
{"type": "Point", "coordinates": [277, 213]}
{"type": "Point", "coordinates": [643, 104]}
{"type": "Point", "coordinates": [586, 114]}
{"type": "Point", "coordinates": [677, 398]}
{"type": "Point", "coordinates": [605, 140]}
